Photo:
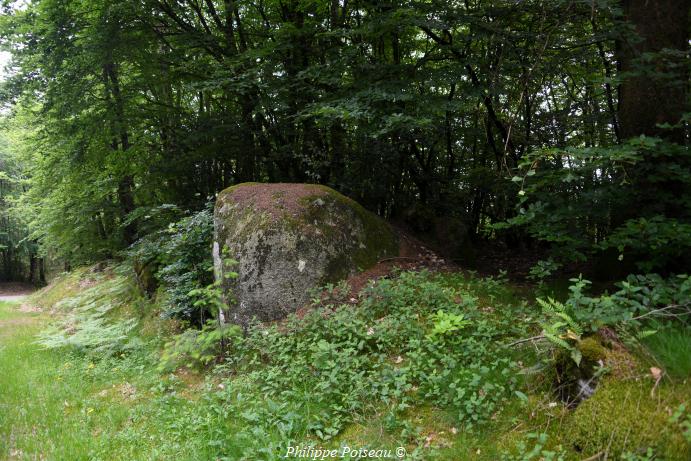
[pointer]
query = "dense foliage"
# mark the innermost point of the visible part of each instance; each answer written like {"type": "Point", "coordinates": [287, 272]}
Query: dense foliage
{"type": "Point", "coordinates": [19, 253]}
{"type": "Point", "coordinates": [422, 111]}
{"type": "Point", "coordinates": [559, 127]}
{"type": "Point", "coordinates": [179, 258]}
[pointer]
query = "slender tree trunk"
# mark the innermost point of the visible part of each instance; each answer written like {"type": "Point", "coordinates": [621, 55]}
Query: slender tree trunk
{"type": "Point", "coordinates": [32, 268]}
{"type": "Point", "coordinates": [42, 271]}
{"type": "Point", "coordinates": [606, 65]}
{"type": "Point", "coordinates": [126, 183]}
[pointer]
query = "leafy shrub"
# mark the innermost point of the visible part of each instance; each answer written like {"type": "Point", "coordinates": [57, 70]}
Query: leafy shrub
{"type": "Point", "coordinates": [541, 271]}
{"type": "Point", "coordinates": [445, 323]}
{"type": "Point", "coordinates": [637, 298]}
{"type": "Point", "coordinates": [197, 348]}
{"type": "Point", "coordinates": [181, 254]}
{"type": "Point", "coordinates": [651, 242]}
{"type": "Point", "coordinates": [556, 188]}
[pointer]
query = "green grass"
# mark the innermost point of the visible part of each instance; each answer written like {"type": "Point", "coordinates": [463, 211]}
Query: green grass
{"type": "Point", "coordinates": [58, 405]}
{"type": "Point", "coordinates": [36, 418]}
{"type": "Point", "coordinates": [671, 346]}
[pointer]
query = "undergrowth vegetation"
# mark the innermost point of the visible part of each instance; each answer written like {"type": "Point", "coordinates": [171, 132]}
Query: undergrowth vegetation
{"type": "Point", "coordinates": [446, 365]}
{"type": "Point", "coordinates": [176, 260]}
{"type": "Point", "coordinates": [89, 324]}
{"type": "Point", "coordinates": [501, 133]}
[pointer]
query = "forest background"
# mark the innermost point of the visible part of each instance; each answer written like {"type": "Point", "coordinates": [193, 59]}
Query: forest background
{"type": "Point", "coordinates": [555, 128]}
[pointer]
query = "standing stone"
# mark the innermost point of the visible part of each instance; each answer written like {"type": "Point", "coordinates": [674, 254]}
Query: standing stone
{"type": "Point", "coordinates": [288, 239]}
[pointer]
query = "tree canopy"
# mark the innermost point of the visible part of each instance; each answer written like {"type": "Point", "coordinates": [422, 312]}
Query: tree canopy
{"type": "Point", "coordinates": [560, 124]}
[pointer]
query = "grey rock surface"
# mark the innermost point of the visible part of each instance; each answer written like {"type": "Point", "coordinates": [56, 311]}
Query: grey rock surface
{"type": "Point", "coordinates": [288, 239]}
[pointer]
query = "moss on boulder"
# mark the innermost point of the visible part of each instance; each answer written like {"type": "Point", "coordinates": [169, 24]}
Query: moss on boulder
{"type": "Point", "coordinates": [288, 239]}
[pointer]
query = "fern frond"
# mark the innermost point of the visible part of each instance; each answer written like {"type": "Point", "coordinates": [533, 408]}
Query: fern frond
{"type": "Point", "coordinates": [557, 341]}
{"type": "Point", "coordinates": [570, 322]}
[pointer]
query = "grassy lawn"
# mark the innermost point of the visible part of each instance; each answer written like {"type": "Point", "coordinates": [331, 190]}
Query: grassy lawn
{"type": "Point", "coordinates": [56, 405]}
{"type": "Point", "coordinates": [48, 411]}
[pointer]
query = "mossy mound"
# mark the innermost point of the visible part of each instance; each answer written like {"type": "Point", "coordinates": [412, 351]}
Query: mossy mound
{"type": "Point", "coordinates": [623, 416]}
{"type": "Point", "coordinates": [575, 382]}
{"type": "Point", "coordinates": [288, 239]}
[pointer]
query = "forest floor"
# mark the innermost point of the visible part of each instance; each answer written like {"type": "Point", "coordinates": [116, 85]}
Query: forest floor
{"type": "Point", "coordinates": [77, 402]}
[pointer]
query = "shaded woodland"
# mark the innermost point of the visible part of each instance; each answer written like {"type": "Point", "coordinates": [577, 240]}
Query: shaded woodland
{"type": "Point", "coordinates": [518, 290]}
{"type": "Point", "coordinates": [556, 126]}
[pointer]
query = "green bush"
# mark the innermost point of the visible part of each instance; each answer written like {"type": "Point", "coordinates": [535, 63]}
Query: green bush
{"type": "Point", "coordinates": [181, 254]}
{"type": "Point", "coordinates": [581, 201]}
{"type": "Point", "coordinates": [198, 348]}
{"type": "Point", "coordinates": [636, 299]}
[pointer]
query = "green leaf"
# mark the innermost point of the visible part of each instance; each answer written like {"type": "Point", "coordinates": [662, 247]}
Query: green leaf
{"type": "Point", "coordinates": [521, 396]}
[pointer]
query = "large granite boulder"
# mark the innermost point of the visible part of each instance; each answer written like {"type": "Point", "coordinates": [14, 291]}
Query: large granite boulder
{"type": "Point", "coordinates": [288, 239]}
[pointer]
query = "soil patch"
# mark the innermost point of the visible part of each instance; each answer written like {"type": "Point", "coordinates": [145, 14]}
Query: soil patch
{"type": "Point", "coordinates": [413, 255]}
{"type": "Point", "coordinates": [277, 199]}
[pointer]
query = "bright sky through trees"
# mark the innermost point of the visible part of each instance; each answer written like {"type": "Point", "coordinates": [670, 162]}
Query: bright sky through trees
{"type": "Point", "coordinates": [4, 61]}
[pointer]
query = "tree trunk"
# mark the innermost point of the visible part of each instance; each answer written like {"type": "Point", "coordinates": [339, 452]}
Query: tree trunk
{"type": "Point", "coordinates": [32, 267]}
{"type": "Point", "coordinates": [653, 92]}
{"type": "Point", "coordinates": [42, 271]}
{"type": "Point", "coordinates": [125, 190]}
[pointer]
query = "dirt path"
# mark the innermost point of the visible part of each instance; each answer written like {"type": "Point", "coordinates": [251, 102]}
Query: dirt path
{"type": "Point", "coordinates": [15, 315]}
{"type": "Point", "coordinates": [11, 297]}
{"type": "Point", "coordinates": [14, 291]}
